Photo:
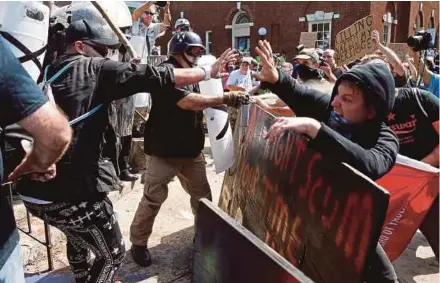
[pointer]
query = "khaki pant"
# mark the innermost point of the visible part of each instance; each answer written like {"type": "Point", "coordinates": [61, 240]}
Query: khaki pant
{"type": "Point", "coordinates": [159, 172]}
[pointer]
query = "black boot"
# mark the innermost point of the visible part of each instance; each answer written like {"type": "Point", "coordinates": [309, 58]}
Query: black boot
{"type": "Point", "coordinates": [141, 255]}
{"type": "Point", "coordinates": [126, 176]}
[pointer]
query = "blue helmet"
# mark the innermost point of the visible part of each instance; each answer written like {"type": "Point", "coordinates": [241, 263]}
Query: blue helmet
{"type": "Point", "coordinates": [182, 42]}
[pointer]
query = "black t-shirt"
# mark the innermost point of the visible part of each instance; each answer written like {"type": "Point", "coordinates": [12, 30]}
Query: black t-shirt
{"type": "Point", "coordinates": [172, 132]}
{"type": "Point", "coordinates": [417, 136]}
{"type": "Point", "coordinates": [19, 97]}
{"type": "Point", "coordinates": [86, 170]}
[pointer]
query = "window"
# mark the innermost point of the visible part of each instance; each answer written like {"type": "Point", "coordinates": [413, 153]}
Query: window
{"type": "Point", "coordinates": [431, 22]}
{"type": "Point", "coordinates": [323, 29]}
{"type": "Point", "coordinates": [419, 21]}
{"type": "Point", "coordinates": [387, 28]}
{"type": "Point", "coordinates": [243, 43]}
{"type": "Point", "coordinates": [243, 18]}
{"type": "Point", "coordinates": [208, 42]}
{"type": "Point", "coordinates": [241, 33]}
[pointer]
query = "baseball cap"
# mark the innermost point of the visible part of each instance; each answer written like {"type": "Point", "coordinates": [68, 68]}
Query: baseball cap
{"type": "Point", "coordinates": [246, 60]}
{"type": "Point", "coordinates": [86, 30]}
{"type": "Point", "coordinates": [308, 53]}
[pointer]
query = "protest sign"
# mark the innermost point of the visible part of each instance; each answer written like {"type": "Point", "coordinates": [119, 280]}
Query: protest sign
{"type": "Point", "coordinates": [401, 50]}
{"type": "Point", "coordinates": [227, 253]}
{"type": "Point", "coordinates": [323, 217]}
{"type": "Point", "coordinates": [308, 39]}
{"type": "Point", "coordinates": [354, 42]}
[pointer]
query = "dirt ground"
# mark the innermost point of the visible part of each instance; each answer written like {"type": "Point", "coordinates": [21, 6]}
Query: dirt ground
{"type": "Point", "coordinates": [171, 242]}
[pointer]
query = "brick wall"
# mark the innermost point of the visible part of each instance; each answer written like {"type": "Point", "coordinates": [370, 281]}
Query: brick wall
{"type": "Point", "coordinates": [281, 19]}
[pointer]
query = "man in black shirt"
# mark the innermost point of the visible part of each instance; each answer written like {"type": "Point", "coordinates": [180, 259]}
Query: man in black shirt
{"type": "Point", "coordinates": [22, 102]}
{"type": "Point", "coordinates": [415, 120]}
{"type": "Point", "coordinates": [76, 200]}
{"type": "Point", "coordinates": [174, 140]}
{"type": "Point", "coordinates": [347, 126]}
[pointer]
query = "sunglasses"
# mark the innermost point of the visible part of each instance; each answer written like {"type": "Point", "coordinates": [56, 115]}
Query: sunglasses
{"type": "Point", "coordinates": [149, 13]}
{"type": "Point", "coordinates": [100, 49]}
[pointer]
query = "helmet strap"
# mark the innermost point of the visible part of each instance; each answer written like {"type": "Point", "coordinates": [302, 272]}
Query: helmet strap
{"type": "Point", "coordinates": [191, 64]}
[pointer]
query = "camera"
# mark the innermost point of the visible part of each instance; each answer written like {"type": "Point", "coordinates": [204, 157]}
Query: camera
{"type": "Point", "coordinates": [322, 63]}
{"type": "Point", "coordinates": [299, 48]}
{"type": "Point", "coordinates": [420, 41]}
{"type": "Point", "coordinates": [161, 3]}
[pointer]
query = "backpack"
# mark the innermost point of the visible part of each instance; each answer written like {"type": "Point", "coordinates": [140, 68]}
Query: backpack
{"type": "Point", "coordinates": [13, 137]}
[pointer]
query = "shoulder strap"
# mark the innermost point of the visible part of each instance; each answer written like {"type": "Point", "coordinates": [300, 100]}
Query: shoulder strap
{"type": "Point", "coordinates": [416, 93]}
{"type": "Point", "coordinates": [85, 116]}
{"type": "Point", "coordinates": [56, 76]}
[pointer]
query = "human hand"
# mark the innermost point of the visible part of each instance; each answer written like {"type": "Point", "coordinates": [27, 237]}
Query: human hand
{"type": "Point", "coordinates": [236, 98]}
{"type": "Point", "coordinates": [228, 56]}
{"type": "Point", "coordinates": [268, 71]}
{"type": "Point", "coordinates": [29, 166]}
{"type": "Point", "coordinates": [375, 37]}
{"type": "Point", "coordinates": [45, 176]}
{"type": "Point", "coordinates": [302, 125]}
{"type": "Point", "coordinates": [327, 70]}
{"type": "Point", "coordinates": [136, 60]}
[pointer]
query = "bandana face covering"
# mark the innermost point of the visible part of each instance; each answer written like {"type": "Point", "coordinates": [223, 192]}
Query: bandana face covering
{"type": "Point", "coordinates": [341, 125]}
{"type": "Point", "coordinates": [306, 73]}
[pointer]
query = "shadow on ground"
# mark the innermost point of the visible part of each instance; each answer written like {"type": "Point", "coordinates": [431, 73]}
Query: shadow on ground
{"type": "Point", "coordinates": [418, 266]}
{"type": "Point", "coordinates": [172, 261]}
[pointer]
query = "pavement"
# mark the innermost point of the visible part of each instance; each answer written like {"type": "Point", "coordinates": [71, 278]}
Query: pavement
{"type": "Point", "coordinates": [171, 242]}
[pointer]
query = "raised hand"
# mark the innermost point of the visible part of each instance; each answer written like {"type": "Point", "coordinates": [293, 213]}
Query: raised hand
{"type": "Point", "coordinates": [269, 72]}
{"type": "Point", "coordinates": [228, 56]}
{"type": "Point", "coordinates": [375, 36]}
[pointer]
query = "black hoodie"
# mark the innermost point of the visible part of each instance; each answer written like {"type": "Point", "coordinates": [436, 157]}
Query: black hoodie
{"type": "Point", "coordinates": [373, 148]}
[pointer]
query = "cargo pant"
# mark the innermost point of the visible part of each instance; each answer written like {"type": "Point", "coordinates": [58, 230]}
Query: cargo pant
{"type": "Point", "coordinates": [159, 172]}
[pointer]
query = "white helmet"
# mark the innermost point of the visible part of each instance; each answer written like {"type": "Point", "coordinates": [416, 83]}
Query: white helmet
{"type": "Point", "coordinates": [182, 22]}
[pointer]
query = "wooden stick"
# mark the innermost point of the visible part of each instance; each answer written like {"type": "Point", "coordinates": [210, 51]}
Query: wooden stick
{"type": "Point", "coordinates": [116, 29]}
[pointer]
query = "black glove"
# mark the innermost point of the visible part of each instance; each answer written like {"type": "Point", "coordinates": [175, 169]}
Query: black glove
{"type": "Point", "coordinates": [236, 98]}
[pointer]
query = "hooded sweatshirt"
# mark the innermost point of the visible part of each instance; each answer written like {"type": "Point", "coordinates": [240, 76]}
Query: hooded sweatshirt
{"type": "Point", "coordinates": [373, 147]}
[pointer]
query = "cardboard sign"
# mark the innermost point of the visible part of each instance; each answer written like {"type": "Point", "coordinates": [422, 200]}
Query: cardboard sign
{"type": "Point", "coordinates": [323, 217]}
{"type": "Point", "coordinates": [225, 252]}
{"type": "Point", "coordinates": [355, 41]}
{"type": "Point", "coordinates": [413, 187]}
{"type": "Point", "coordinates": [401, 50]}
{"type": "Point", "coordinates": [308, 39]}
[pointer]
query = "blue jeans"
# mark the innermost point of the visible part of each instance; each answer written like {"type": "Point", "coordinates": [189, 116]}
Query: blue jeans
{"type": "Point", "coordinates": [12, 269]}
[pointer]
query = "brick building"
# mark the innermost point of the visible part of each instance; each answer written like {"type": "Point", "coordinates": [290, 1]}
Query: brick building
{"type": "Point", "coordinates": [225, 24]}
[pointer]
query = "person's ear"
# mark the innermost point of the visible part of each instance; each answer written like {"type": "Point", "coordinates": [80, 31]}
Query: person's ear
{"type": "Point", "coordinates": [80, 47]}
{"type": "Point", "coordinates": [371, 113]}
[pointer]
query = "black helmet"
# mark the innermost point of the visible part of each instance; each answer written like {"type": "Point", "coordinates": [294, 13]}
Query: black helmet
{"type": "Point", "coordinates": [181, 42]}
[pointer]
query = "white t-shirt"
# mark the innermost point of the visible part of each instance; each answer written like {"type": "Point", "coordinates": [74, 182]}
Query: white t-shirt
{"type": "Point", "coordinates": [236, 78]}
{"type": "Point", "coordinates": [151, 32]}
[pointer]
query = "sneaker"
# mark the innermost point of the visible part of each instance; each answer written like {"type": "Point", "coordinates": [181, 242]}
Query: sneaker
{"type": "Point", "coordinates": [141, 255]}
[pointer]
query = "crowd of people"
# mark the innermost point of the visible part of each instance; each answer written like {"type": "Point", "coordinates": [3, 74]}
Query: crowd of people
{"type": "Point", "coordinates": [362, 114]}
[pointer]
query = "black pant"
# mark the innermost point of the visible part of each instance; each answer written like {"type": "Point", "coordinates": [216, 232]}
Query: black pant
{"type": "Point", "coordinates": [430, 226]}
{"type": "Point", "coordinates": [379, 268]}
{"type": "Point", "coordinates": [124, 155]}
{"type": "Point", "coordinates": [88, 226]}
